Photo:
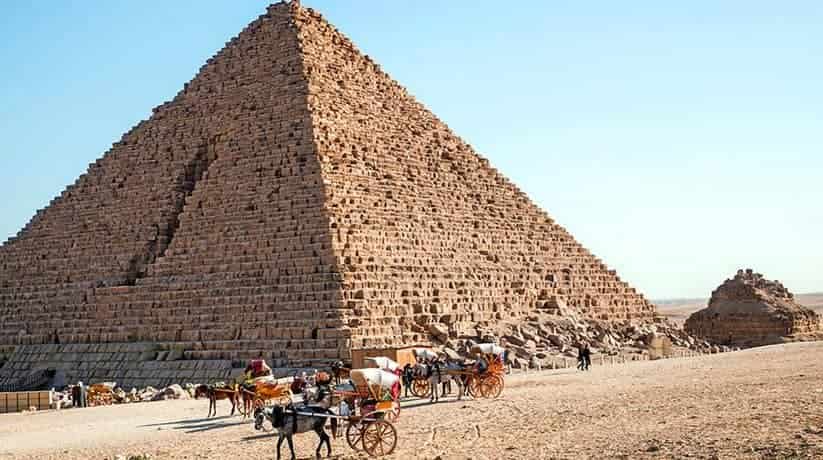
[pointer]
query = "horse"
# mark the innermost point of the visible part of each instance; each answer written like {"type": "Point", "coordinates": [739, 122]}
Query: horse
{"type": "Point", "coordinates": [215, 394]}
{"type": "Point", "coordinates": [247, 394]}
{"type": "Point", "coordinates": [288, 422]}
{"type": "Point", "coordinates": [262, 391]}
{"type": "Point", "coordinates": [441, 374]}
{"type": "Point", "coordinates": [339, 372]}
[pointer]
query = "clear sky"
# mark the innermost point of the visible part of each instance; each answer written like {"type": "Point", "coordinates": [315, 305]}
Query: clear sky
{"type": "Point", "coordinates": [678, 141]}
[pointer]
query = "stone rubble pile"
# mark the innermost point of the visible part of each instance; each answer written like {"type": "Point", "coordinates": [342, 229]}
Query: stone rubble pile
{"type": "Point", "coordinates": [545, 340]}
{"type": "Point", "coordinates": [750, 310]}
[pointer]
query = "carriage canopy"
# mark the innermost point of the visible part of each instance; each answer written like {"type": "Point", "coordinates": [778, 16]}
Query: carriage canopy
{"type": "Point", "coordinates": [488, 349]}
{"type": "Point", "coordinates": [424, 354]}
{"type": "Point", "coordinates": [380, 383]}
{"type": "Point", "coordinates": [382, 362]}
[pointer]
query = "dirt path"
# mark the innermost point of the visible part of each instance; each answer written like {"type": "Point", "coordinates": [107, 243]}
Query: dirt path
{"type": "Point", "coordinates": [760, 403]}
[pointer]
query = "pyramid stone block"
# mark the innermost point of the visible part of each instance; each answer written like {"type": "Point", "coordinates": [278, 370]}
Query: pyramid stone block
{"type": "Point", "coordinates": [292, 200]}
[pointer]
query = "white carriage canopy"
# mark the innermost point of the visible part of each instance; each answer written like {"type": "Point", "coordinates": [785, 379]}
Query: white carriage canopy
{"type": "Point", "coordinates": [424, 354]}
{"type": "Point", "coordinates": [488, 349]}
{"type": "Point", "coordinates": [382, 362]}
{"type": "Point", "coordinates": [378, 381]}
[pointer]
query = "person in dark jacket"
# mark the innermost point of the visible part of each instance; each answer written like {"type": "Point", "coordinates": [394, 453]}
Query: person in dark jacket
{"type": "Point", "coordinates": [75, 396]}
{"type": "Point", "coordinates": [587, 357]}
{"type": "Point", "coordinates": [408, 378]}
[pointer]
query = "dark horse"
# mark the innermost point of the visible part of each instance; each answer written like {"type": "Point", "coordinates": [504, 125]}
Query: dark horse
{"type": "Point", "coordinates": [441, 374]}
{"type": "Point", "coordinates": [288, 422]}
{"type": "Point", "coordinates": [339, 372]}
{"type": "Point", "coordinates": [216, 393]}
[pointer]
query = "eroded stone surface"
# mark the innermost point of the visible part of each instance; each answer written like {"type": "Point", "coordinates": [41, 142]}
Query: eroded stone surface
{"type": "Point", "coordinates": [296, 202]}
{"type": "Point", "coordinates": [751, 310]}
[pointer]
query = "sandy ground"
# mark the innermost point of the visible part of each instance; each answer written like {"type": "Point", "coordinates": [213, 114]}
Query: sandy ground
{"type": "Point", "coordinates": [764, 403]}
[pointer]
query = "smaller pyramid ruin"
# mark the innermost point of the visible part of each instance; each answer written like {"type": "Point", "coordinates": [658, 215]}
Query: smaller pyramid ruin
{"type": "Point", "coordinates": [750, 310]}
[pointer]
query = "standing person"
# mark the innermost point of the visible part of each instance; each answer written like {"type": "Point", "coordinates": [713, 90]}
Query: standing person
{"type": "Point", "coordinates": [587, 355]}
{"type": "Point", "coordinates": [408, 377]}
{"type": "Point", "coordinates": [257, 368]}
{"type": "Point", "coordinates": [482, 365]}
{"type": "Point", "coordinates": [82, 394]}
{"type": "Point", "coordinates": [75, 396]}
{"type": "Point", "coordinates": [581, 357]}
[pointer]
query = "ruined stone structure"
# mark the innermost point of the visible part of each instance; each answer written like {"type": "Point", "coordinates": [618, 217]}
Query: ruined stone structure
{"type": "Point", "coordinates": [749, 310]}
{"type": "Point", "coordinates": [291, 201]}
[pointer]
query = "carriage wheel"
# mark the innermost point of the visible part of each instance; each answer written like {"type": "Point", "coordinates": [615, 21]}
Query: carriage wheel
{"type": "Point", "coordinates": [486, 387]}
{"type": "Point", "coordinates": [490, 386]}
{"type": "Point", "coordinates": [379, 438]}
{"type": "Point", "coordinates": [257, 404]}
{"type": "Point", "coordinates": [420, 388]}
{"type": "Point", "coordinates": [493, 386]}
{"type": "Point", "coordinates": [473, 387]}
{"type": "Point", "coordinates": [354, 435]}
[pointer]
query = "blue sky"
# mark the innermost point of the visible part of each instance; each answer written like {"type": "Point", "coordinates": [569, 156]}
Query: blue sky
{"type": "Point", "coordinates": [678, 141]}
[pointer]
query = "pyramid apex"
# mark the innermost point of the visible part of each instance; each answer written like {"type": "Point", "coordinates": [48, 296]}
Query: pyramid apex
{"type": "Point", "coordinates": [291, 4]}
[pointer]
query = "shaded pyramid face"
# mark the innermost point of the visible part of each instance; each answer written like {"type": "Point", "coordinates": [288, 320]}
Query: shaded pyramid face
{"type": "Point", "coordinates": [292, 200]}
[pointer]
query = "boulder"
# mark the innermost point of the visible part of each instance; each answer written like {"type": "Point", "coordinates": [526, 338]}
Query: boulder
{"type": "Point", "coordinates": [515, 340]}
{"type": "Point", "coordinates": [439, 331]}
{"type": "Point", "coordinates": [171, 392]}
{"type": "Point", "coordinates": [556, 340]}
{"type": "Point", "coordinates": [147, 394]}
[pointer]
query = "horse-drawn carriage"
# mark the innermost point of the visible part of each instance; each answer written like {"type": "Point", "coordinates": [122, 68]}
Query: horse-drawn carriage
{"type": "Point", "coordinates": [373, 399]}
{"type": "Point", "coordinates": [372, 390]}
{"type": "Point", "coordinates": [100, 394]}
{"type": "Point", "coordinates": [483, 379]}
{"type": "Point", "coordinates": [486, 378]}
{"type": "Point", "coordinates": [420, 385]}
{"type": "Point", "coordinates": [367, 405]}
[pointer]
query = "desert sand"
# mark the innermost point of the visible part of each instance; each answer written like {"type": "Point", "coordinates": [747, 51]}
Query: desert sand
{"type": "Point", "coordinates": [762, 403]}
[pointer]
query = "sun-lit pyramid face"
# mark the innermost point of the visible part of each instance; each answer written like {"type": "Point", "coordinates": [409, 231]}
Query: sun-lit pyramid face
{"type": "Point", "coordinates": [295, 201]}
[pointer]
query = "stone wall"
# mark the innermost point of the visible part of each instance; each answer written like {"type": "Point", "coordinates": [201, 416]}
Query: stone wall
{"type": "Point", "coordinates": [425, 229]}
{"type": "Point", "coordinates": [130, 365]}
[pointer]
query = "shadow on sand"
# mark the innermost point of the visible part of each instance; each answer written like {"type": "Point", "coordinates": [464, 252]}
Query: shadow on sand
{"type": "Point", "coordinates": [201, 424]}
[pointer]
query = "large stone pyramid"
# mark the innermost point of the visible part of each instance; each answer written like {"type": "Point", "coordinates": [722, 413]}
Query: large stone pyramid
{"type": "Point", "coordinates": [292, 200]}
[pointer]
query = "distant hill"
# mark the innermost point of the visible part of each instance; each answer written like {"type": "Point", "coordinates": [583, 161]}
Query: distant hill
{"type": "Point", "coordinates": [678, 310]}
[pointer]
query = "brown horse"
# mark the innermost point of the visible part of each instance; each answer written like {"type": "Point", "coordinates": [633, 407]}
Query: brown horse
{"type": "Point", "coordinates": [247, 394]}
{"type": "Point", "coordinates": [215, 394]}
{"type": "Point", "coordinates": [257, 394]}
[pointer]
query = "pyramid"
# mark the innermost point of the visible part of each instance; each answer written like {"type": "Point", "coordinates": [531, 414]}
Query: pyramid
{"type": "Point", "coordinates": [750, 310]}
{"type": "Point", "coordinates": [292, 201]}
